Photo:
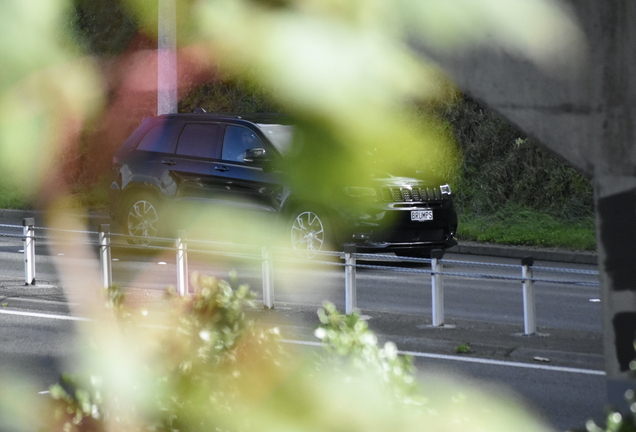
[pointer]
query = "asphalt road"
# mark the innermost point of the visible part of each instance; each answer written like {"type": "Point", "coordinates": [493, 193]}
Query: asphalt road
{"type": "Point", "coordinates": [567, 389]}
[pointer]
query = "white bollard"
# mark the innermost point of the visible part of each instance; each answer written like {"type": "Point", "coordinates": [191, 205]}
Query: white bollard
{"type": "Point", "coordinates": [105, 256]}
{"type": "Point", "coordinates": [437, 288]}
{"type": "Point", "coordinates": [182, 264]}
{"type": "Point", "coordinates": [29, 250]}
{"type": "Point", "coordinates": [267, 268]}
{"type": "Point", "coordinates": [529, 312]}
{"type": "Point", "coordinates": [350, 279]}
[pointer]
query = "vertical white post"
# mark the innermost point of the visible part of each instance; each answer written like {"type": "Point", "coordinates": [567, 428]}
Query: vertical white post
{"type": "Point", "coordinates": [105, 256]}
{"type": "Point", "coordinates": [268, 278]}
{"type": "Point", "coordinates": [182, 264]}
{"type": "Point", "coordinates": [437, 288]}
{"type": "Point", "coordinates": [350, 279]}
{"type": "Point", "coordinates": [29, 250]}
{"type": "Point", "coordinates": [167, 58]}
{"type": "Point", "coordinates": [529, 312]}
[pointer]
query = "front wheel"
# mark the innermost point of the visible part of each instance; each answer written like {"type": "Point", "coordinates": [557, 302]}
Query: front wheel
{"type": "Point", "coordinates": [310, 233]}
{"type": "Point", "coordinates": [142, 219]}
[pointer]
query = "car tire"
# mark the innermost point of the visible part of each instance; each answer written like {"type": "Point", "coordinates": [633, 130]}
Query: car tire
{"type": "Point", "coordinates": [142, 219]}
{"type": "Point", "coordinates": [310, 232]}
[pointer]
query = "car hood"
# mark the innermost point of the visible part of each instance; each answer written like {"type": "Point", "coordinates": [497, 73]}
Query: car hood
{"type": "Point", "coordinates": [388, 180]}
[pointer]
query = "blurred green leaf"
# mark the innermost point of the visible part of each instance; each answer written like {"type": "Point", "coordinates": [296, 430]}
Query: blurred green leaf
{"type": "Point", "coordinates": [345, 71]}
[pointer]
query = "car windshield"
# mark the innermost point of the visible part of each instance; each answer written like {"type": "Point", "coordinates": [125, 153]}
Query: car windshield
{"type": "Point", "coordinates": [280, 135]}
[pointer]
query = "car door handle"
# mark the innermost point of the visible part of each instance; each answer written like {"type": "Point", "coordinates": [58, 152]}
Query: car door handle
{"type": "Point", "coordinates": [168, 162]}
{"type": "Point", "coordinates": [221, 168]}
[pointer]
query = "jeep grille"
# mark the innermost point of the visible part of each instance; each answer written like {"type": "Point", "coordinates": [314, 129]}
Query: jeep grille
{"type": "Point", "coordinates": [397, 194]}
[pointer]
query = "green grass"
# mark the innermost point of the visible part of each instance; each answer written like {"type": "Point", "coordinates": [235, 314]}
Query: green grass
{"type": "Point", "coordinates": [92, 196]}
{"type": "Point", "coordinates": [12, 198]}
{"type": "Point", "coordinates": [464, 349]}
{"type": "Point", "coordinates": [520, 226]}
{"type": "Point", "coordinates": [87, 196]}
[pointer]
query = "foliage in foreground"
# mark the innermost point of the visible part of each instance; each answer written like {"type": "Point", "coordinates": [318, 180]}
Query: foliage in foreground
{"type": "Point", "coordinates": [210, 368]}
{"type": "Point", "coordinates": [614, 420]}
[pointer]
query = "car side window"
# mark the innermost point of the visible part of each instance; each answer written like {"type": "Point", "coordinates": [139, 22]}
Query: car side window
{"type": "Point", "coordinates": [236, 141]}
{"type": "Point", "coordinates": [160, 138]}
{"type": "Point", "coordinates": [199, 140]}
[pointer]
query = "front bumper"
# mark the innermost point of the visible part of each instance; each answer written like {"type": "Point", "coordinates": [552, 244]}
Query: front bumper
{"type": "Point", "coordinates": [371, 246]}
{"type": "Point", "coordinates": [390, 228]}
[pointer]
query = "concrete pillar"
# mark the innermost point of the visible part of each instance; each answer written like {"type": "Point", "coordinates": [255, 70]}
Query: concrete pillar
{"type": "Point", "coordinates": [616, 238]}
{"type": "Point", "coordinates": [585, 112]}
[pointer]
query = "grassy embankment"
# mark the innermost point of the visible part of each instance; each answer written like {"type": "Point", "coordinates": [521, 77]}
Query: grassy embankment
{"type": "Point", "coordinates": [511, 191]}
{"type": "Point", "coordinates": [518, 226]}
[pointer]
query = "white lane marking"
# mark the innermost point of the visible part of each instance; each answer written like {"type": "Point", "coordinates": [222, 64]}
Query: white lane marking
{"type": "Point", "coordinates": [42, 315]}
{"type": "Point", "coordinates": [505, 363]}
{"type": "Point", "coordinates": [22, 299]}
{"type": "Point", "coordinates": [477, 360]}
{"type": "Point", "coordinates": [411, 353]}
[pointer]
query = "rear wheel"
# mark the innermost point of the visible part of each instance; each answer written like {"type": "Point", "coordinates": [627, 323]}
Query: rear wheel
{"type": "Point", "coordinates": [142, 220]}
{"type": "Point", "coordinates": [310, 232]}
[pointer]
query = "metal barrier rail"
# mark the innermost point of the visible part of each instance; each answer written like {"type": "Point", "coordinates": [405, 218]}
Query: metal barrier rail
{"type": "Point", "coordinates": [268, 255]}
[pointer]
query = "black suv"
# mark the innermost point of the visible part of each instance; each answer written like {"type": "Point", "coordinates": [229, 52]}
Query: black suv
{"type": "Point", "coordinates": [237, 162]}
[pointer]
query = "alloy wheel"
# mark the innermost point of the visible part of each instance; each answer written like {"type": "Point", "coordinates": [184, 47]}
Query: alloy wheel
{"type": "Point", "coordinates": [307, 234]}
{"type": "Point", "coordinates": [142, 222]}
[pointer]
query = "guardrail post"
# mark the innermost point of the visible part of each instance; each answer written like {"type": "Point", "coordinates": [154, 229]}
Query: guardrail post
{"type": "Point", "coordinates": [529, 313]}
{"type": "Point", "coordinates": [267, 267]}
{"type": "Point", "coordinates": [437, 288]}
{"type": "Point", "coordinates": [28, 230]}
{"type": "Point", "coordinates": [182, 264]}
{"type": "Point", "coordinates": [105, 255]}
{"type": "Point", "coordinates": [350, 279]}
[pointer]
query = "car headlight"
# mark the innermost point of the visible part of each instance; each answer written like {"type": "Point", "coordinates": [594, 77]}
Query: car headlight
{"type": "Point", "coordinates": [445, 189]}
{"type": "Point", "coordinates": [362, 192]}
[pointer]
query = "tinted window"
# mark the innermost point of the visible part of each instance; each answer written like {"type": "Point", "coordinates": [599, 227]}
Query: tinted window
{"type": "Point", "coordinates": [280, 135]}
{"type": "Point", "coordinates": [160, 138]}
{"type": "Point", "coordinates": [236, 140]}
{"type": "Point", "coordinates": [199, 140]}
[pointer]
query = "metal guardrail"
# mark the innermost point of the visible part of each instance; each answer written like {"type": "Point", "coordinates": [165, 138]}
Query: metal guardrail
{"type": "Point", "coordinates": [268, 255]}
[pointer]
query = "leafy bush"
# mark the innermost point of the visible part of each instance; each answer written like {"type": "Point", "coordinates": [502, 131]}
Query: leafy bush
{"type": "Point", "coordinates": [502, 167]}
{"type": "Point", "coordinates": [207, 367]}
{"type": "Point", "coordinates": [102, 27]}
{"type": "Point", "coordinates": [614, 420]}
{"type": "Point", "coordinates": [228, 94]}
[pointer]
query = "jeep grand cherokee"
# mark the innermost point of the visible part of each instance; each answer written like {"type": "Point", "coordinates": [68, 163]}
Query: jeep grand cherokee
{"type": "Point", "coordinates": [232, 161]}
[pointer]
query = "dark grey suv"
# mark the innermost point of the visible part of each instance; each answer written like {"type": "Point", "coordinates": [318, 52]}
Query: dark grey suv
{"type": "Point", "coordinates": [238, 162]}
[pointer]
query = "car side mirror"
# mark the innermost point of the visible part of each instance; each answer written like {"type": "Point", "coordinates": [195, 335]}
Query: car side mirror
{"type": "Point", "coordinates": [258, 156]}
{"type": "Point", "coordinates": [255, 155]}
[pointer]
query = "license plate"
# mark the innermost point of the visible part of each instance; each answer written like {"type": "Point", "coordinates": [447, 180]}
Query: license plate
{"type": "Point", "coordinates": [422, 215]}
